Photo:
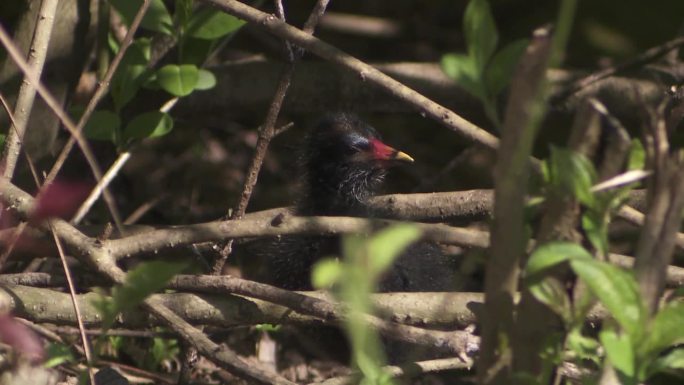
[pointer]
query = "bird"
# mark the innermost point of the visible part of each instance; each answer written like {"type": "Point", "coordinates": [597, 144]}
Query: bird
{"type": "Point", "coordinates": [344, 163]}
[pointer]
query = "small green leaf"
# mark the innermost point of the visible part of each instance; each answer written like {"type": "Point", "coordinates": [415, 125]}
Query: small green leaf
{"type": "Point", "coordinates": [552, 293]}
{"type": "Point", "coordinates": [666, 329]}
{"type": "Point", "coordinates": [157, 17]}
{"type": "Point", "coordinates": [584, 348]}
{"type": "Point", "coordinates": [637, 156]}
{"type": "Point", "coordinates": [131, 73]}
{"type": "Point", "coordinates": [182, 12]}
{"type": "Point", "coordinates": [209, 24]}
{"type": "Point", "coordinates": [206, 80]}
{"type": "Point", "coordinates": [102, 125]}
{"type": "Point", "coordinates": [268, 327]}
{"type": "Point", "coordinates": [326, 273]}
{"type": "Point", "coordinates": [148, 125]}
{"type": "Point", "coordinates": [573, 173]}
{"type": "Point", "coordinates": [141, 282]}
{"type": "Point", "coordinates": [619, 351]}
{"type": "Point", "coordinates": [58, 354]}
{"type": "Point", "coordinates": [387, 244]}
{"type": "Point", "coordinates": [500, 70]}
{"type": "Point", "coordinates": [480, 32]}
{"type": "Point", "coordinates": [2, 139]}
{"type": "Point", "coordinates": [672, 362]}
{"type": "Point", "coordinates": [178, 80]}
{"type": "Point", "coordinates": [596, 229]}
{"type": "Point", "coordinates": [617, 290]}
{"type": "Point", "coordinates": [462, 69]}
{"type": "Point", "coordinates": [551, 254]}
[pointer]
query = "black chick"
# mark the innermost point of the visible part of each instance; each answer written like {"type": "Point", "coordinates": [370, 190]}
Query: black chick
{"type": "Point", "coordinates": [344, 163]}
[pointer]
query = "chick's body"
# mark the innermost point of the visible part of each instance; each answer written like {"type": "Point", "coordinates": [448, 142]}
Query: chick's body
{"type": "Point", "coordinates": [344, 164]}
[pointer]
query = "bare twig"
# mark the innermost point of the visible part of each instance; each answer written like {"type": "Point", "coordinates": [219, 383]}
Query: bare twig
{"type": "Point", "coordinates": [101, 185]}
{"type": "Point", "coordinates": [366, 72]}
{"type": "Point", "coordinates": [60, 113]}
{"type": "Point", "coordinates": [77, 310]}
{"type": "Point", "coordinates": [509, 240]}
{"type": "Point", "coordinates": [27, 93]}
{"type": "Point", "coordinates": [408, 370]}
{"type": "Point", "coordinates": [643, 58]}
{"type": "Point", "coordinates": [267, 131]}
{"type": "Point", "coordinates": [103, 87]}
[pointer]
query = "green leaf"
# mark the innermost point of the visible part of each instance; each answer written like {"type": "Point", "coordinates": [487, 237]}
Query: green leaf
{"type": "Point", "coordinates": [148, 125]}
{"type": "Point", "coordinates": [102, 125]}
{"type": "Point", "coordinates": [206, 80]}
{"type": "Point", "coordinates": [637, 156]}
{"type": "Point", "coordinates": [480, 32]}
{"type": "Point", "coordinates": [210, 23]}
{"type": "Point", "coordinates": [157, 17]}
{"type": "Point", "coordinates": [666, 329]}
{"type": "Point", "coordinates": [595, 227]}
{"type": "Point", "coordinates": [2, 139]}
{"type": "Point", "coordinates": [617, 290]}
{"type": "Point", "coordinates": [131, 73]}
{"type": "Point", "coordinates": [551, 254]}
{"type": "Point", "coordinates": [387, 244]}
{"type": "Point", "coordinates": [552, 293]}
{"type": "Point", "coordinates": [58, 354]}
{"type": "Point", "coordinates": [141, 282]}
{"type": "Point", "coordinates": [500, 70]}
{"type": "Point", "coordinates": [178, 80]}
{"type": "Point", "coordinates": [326, 273]}
{"type": "Point", "coordinates": [619, 351]}
{"type": "Point", "coordinates": [573, 173]}
{"type": "Point", "coordinates": [462, 69]}
{"type": "Point", "coordinates": [182, 12]}
{"type": "Point", "coordinates": [671, 362]}
{"type": "Point", "coordinates": [584, 348]}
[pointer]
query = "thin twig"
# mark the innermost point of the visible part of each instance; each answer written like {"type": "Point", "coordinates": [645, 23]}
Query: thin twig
{"type": "Point", "coordinates": [106, 179]}
{"type": "Point", "coordinates": [57, 109]}
{"type": "Point", "coordinates": [645, 57]}
{"type": "Point", "coordinates": [103, 87]}
{"type": "Point", "coordinates": [77, 310]}
{"type": "Point", "coordinates": [366, 72]}
{"type": "Point", "coordinates": [27, 93]}
{"type": "Point", "coordinates": [267, 131]}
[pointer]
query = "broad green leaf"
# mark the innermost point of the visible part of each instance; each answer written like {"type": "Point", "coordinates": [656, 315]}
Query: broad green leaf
{"type": "Point", "coordinates": [131, 73]}
{"type": "Point", "coordinates": [178, 80]}
{"type": "Point", "coordinates": [182, 12]}
{"type": "Point", "coordinates": [210, 23]}
{"type": "Point", "coordinates": [597, 232]}
{"type": "Point", "coordinates": [551, 254]}
{"type": "Point", "coordinates": [584, 348]}
{"type": "Point", "coordinates": [157, 17]}
{"type": "Point", "coordinates": [206, 80]}
{"type": "Point", "coordinates": [148, 125]}
{"type": "Point", "coordinates": [387, 244]}
{"type": "Point", "coordinates": [462, 69]}
{"type": "Point", "coordinates": [141, 282]}
{"type": "Point", "coordinates": [671, 362]}
{"type": "Point", "coordinates": [552, 293]}
{"type": "Point", "coordinates": [58, 354]}
{"type": "Point", "coordinates": [666, 329]}
{"type": "Point", "coordinates": [480, 32]}
{"type": "Point", "coordinates": [102, 125]}
{"type": "Point", "coordinates": [573, 173]}
{"type": "Point", "coordinates": [500, 70]}
{"type": "Point", "coordinates": [195, 51]}
{"type": "Point", "coordinates": [617, 290]}
{"type": "Point", "coordinates": [326, 273]}
{"type": "Point", "coordinates": [637, 156]}
{"type": "Point", "coordinates": [619, 351]}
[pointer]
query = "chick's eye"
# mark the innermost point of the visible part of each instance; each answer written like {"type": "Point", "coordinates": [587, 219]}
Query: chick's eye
{"type": "Point", "coordinates": [355, 143]}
